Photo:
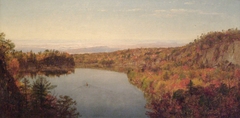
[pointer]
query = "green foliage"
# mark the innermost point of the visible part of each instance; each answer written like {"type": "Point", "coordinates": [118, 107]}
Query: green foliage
{"type": "Point", "coordinates": [40, 89]}
{"type": "Point", "coordinates": [25, 89]}
{"type": "Point", "coordinates": [20, 99]}
{"type": "Point", "coordinates": [131, 74]}
{"type": "Point", "coordinates": [145, 83]}
{"type": "Point", "coordinates": [5, 44]}
{"type": "Point", "coordinates": [190, 87]}
{"type": "Point", "coordinates": [65, 107]}
{"type": "Point", "coordinates": [40, 103]}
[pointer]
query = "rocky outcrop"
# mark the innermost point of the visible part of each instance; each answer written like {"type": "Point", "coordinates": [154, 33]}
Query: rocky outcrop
{"type": "Point", "coordinates": [222, 53]}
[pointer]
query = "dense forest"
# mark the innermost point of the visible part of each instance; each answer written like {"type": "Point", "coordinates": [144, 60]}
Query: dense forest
{"type": "Point", "coordinates": [19, 98]}
{"type": "Point", "coordinates": [200, 79]}
{"type": "Point", "coordinates": [47, 62]}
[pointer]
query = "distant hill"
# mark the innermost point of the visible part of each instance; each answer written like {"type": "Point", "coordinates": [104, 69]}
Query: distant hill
{"type": "Point", "coordinates": [92, 50]}
{"type": "Point", "coordinates": [81, 47]}
{"type": "Point", "coordinates": [211, 49]}
{"type": "Point", "coordinates": [214, 50]}
{"type": "Point", "coordinates": [200, 79]}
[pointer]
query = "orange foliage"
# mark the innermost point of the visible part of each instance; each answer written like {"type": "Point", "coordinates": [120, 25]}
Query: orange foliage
{"type": "Point", "coordinates": [13, 66]}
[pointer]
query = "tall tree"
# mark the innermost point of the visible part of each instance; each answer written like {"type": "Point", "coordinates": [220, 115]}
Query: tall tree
{"type": "Point", "coordinates": [25, 90]}
{"type": "Point", "coordinates": [66, 107]}
{"type": "Point", "coordinates": [41, 100]}
{"type": "Point", "coordinates": [10, 97]}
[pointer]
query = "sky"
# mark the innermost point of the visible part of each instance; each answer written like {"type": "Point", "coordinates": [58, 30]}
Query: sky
{"type": "Point", "coordinates": [115, 22]}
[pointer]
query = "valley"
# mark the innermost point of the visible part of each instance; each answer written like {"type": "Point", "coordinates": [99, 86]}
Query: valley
{"type": "Point", "coordinates": [211, 61]}
{"type": "Point", "coordinates": [200, 79]}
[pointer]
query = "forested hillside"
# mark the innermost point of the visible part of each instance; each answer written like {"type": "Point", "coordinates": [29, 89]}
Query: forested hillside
{"type": "Point", "coordinates": [200, 79]}
{"type": "Point", "coordinates": [19, 98]}
{"type": "Point", "coordinates": [47, 62]}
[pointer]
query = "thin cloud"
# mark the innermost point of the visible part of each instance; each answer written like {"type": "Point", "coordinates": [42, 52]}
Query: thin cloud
{"type": "Point", "coordinates": [160, 11]}
{"type": "Point", "coordinates": [189, 3]}
{"type": "Point", "coordinates": [102, 10]}
{"type": "Point", "coordinates": [133, 10]}
{"type": "Point", "coordinates": [129, 10]}
{"type": "Point", "coordinates": [182, 11]}
{"type": "Point", "coordinates": [209, 13]}
{"type": "Point", "coordinates": [176, 12]}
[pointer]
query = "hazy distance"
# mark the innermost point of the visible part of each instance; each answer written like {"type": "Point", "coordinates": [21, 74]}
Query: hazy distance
{"type": "Point", "coordinates": [109, 25]}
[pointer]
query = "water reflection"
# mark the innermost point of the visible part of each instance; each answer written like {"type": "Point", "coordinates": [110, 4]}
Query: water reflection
{"type": "Point", "coordinates": [101, 93]}
{"type": "Point", "coordinates": [47, 73]}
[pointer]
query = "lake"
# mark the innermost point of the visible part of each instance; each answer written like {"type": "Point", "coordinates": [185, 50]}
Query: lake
{"type": "Point", "coordinates": [101, 93]}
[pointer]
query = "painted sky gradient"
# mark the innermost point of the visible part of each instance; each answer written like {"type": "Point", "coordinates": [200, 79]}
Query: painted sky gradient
{"type": "Point", "coordinates": [114, 21]}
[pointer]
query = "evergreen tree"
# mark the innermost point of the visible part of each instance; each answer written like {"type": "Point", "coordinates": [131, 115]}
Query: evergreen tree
{"type": "Point", "coordinates": [25, 90]}
{"type": "Point", "coordinates": [66, 107]}
{"type": "Point", "coordinates": [190, 87]}
{"type": "Point", "coordinates": [42, 102]}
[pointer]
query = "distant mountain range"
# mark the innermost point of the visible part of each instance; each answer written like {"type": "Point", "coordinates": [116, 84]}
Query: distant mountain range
{"type": "Point", "coordinates": [72, 51]}
{"type": "Point", "coordinates": [92, 50]}
{"type": "Point", "coordinates": [75, 49]}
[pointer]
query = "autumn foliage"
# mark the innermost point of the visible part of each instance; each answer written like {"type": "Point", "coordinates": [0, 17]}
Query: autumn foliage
{"type": "Point", "coordinates": [164, 75]}
{"type": "Point", "coordinates": [198, 102]}
{"type": "Point", "coordinates": [20, 99]}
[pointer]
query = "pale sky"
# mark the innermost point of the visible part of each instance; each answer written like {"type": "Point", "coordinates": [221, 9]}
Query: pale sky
{"type": "Point", "coordinates": [116, 21]}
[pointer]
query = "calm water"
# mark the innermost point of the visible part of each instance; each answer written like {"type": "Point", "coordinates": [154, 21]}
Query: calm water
{"type": "Point", "coordinates": [100, 93]}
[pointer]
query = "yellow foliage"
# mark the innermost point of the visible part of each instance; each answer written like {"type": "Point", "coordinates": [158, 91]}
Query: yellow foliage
{"type": "Point", "coordinates": [197, 82]}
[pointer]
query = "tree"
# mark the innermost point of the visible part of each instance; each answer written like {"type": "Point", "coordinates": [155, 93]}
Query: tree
{"type": "Point", "coordinates": [25, 90]}
{"type": "Point", "coordinates": [66, 107]}
{"type": "Point", "coordinates": [5, 45]}
{"type": "Point", "coordinates": [28, 100]}
{"type": "Point", "coordinates": [190, 87]}
{"type": "Point", "coordinates": [10, 97]}
{"type": "Point", "coordinates": [41, 100]}
{"type": "Point", "coordinates": [13, 67]}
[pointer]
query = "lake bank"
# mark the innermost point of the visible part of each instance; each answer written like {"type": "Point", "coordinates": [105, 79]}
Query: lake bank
{"type": "Point", "coordinates": [101, 93]}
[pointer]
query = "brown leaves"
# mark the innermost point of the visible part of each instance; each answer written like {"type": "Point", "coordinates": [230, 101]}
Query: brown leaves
{"type": "Point", "coordinates": [13, 67]}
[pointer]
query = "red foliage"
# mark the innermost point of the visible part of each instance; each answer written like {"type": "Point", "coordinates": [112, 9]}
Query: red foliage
{"type": "Point", "coordinates": [184, 83]}
{"type": "Point", "coordinates": [217, 83]}
{"type": "Point", "coordinates": [237, 74]}
{"type": "Point", "coordinates": [13, 66]}
{"type": "Point", "coordinates": [185, 67]}
{"type": "Point", "coordinates": [175, 76]}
